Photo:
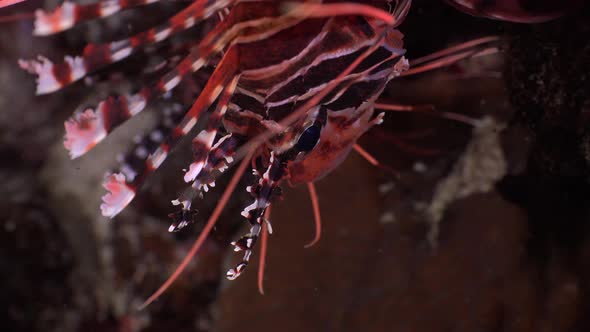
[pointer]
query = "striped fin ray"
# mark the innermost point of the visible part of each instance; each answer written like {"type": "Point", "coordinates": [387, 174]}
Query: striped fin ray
{"type": "Point", "coordinates": [87, 129]}
{"type": "Point", "coordinates": [202, 149]}
{"type": "Point", "coordinates": [218, 160]}
{"type": "Point", "coordinates": [262, 192]}
{"type": "Point", "coordinates": [132, 163]}
{"type": "Point", "coordinates": [121, 183]}
{"type": "Point", "coordinates": [116, 184]}
{"type": "Point", "coordinates": [198, 243]}
{"type": "Point", "coordinates": [203, 142]}
{"type": "Point", "coordinates": [55, 76]}
{"type": "Point", "coordinates": [69, 14]}
{"type": "Point", "coordinates": [120, 192]}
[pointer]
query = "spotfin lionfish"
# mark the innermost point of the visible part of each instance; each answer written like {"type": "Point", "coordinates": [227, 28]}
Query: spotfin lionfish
{"type": "Point", "coordinates": [294, 86]}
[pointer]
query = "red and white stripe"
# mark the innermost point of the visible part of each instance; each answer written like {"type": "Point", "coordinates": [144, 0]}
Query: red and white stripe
{"type": "Point", "coordinates": [68, 14]}
{"type": "Point", "coordinates": [254, 213]}
{"type": "Point", "coordinates": [131, 105]}
{"type": "Point", "coordinates": [85, 130]}
{"type": "Point", "coordinates": [203, 142]}
{"type": "Point", "coordinates": [218, 160]}
{"type": "Point", "coordinates": [54, 76]}
{"type": "Point", "coordinates": [231, 37]}
{"type": "Point", "coordinates": [119, 195]}
{"type": "Point", "coordinates": [155, 160]}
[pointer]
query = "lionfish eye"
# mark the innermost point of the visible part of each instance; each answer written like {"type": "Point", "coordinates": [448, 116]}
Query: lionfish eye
{"type": "Point", "coordinates": [308, 140]}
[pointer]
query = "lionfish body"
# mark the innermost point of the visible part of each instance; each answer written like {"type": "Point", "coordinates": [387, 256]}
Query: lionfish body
{"type": "Point", "coordinates": [268, 64]}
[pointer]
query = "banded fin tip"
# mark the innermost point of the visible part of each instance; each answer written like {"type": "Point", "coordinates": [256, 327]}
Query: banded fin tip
{"type": "Point", "coordinates": [119, 196]}
{"type": "Point", "coordinates": [83, 131]}
{"type": "Point", "coordinates": [193, 171]}
{"type": "Point", "coordinates": [52, 77]}
{"type": "Point", "coordinates": [62, 18]}
{"type": "Point", "coordinates": [233, 274]}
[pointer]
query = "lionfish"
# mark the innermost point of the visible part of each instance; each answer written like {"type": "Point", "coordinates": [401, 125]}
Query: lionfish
{"type": "Point", "coordinates": [294, 86]}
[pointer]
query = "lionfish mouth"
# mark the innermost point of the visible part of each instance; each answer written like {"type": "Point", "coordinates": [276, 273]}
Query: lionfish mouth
{"type": "Point", "coordinates": [277, 65]}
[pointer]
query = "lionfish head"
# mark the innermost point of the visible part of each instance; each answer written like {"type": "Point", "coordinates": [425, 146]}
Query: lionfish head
{"type": "Point", "coordinates": [325, 144]}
